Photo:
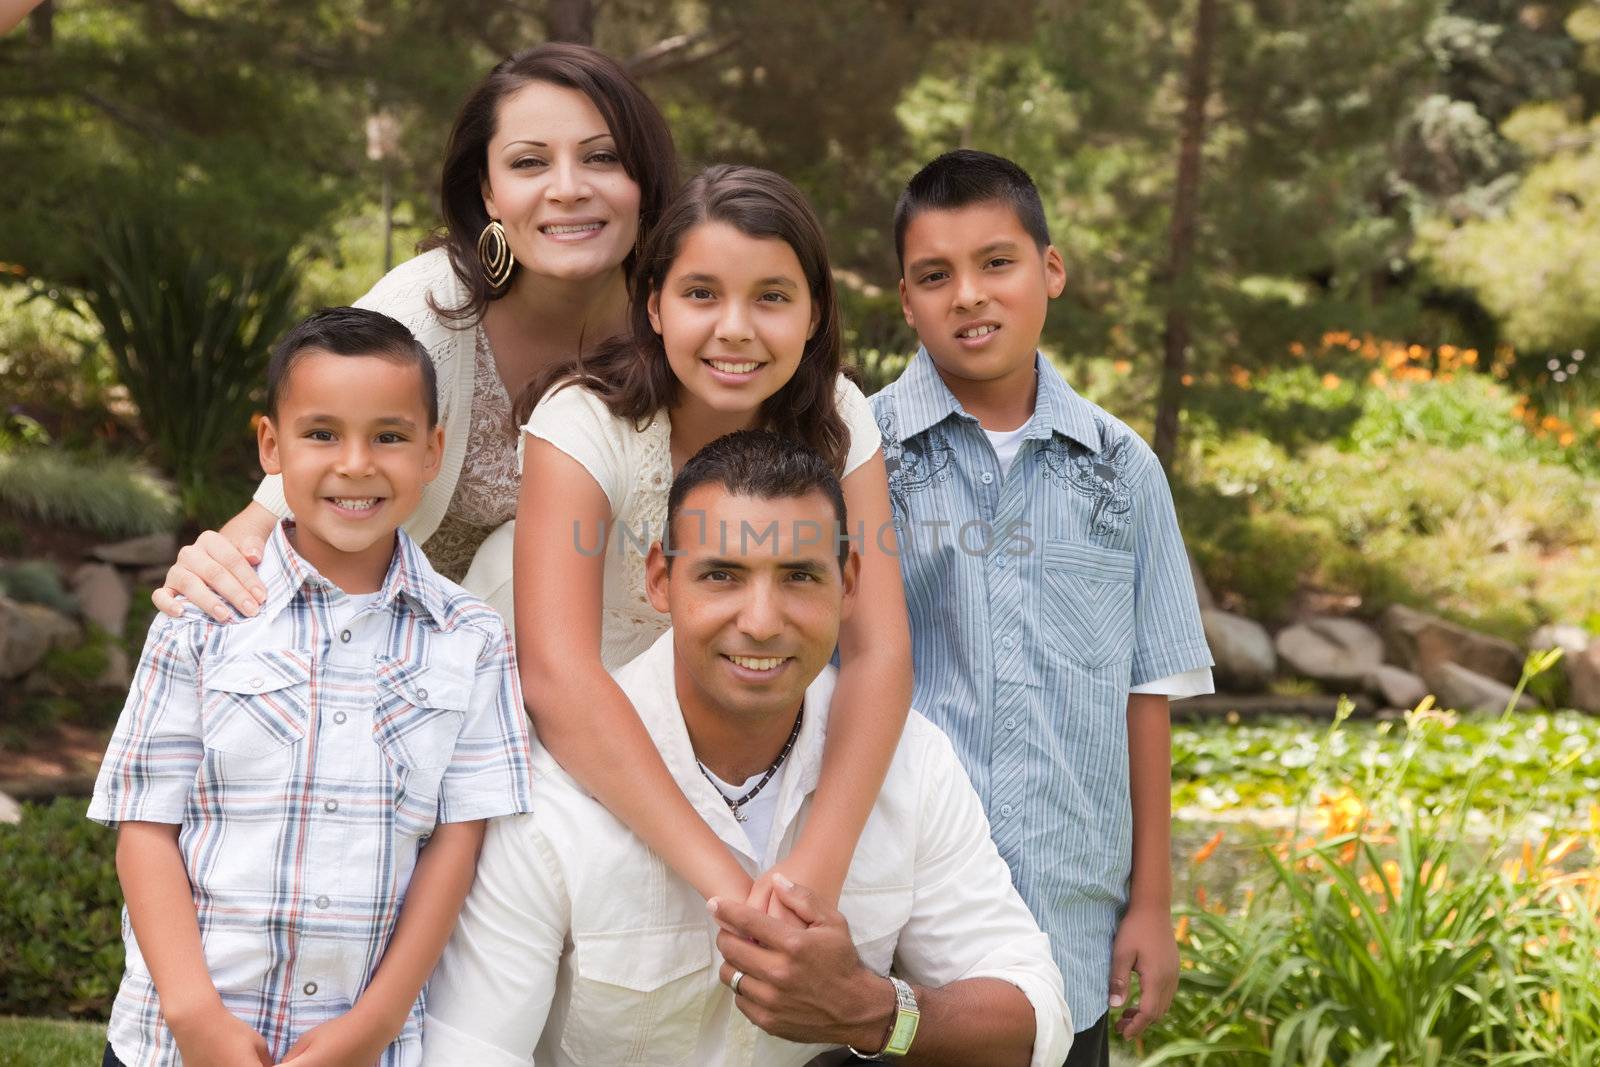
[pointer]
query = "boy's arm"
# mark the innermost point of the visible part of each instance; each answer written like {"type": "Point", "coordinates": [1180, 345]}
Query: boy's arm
{"type": "Point", "coordinates": [161, 910]}
{"type": "Point", "coordinates": [438, 886]}
{"type": "Point", "coordinates": [1144, 941]}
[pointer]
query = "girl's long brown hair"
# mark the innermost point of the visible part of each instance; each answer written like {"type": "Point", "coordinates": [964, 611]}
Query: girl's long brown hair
{"type": "Point", "coordinates": [644, 144]}
{"type": "Point", "coordinates": [631, 374]}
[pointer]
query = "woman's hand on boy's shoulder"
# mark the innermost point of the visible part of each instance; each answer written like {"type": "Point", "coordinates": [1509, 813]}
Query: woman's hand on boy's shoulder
{"type": "Point", "coordinates": [212, 574]}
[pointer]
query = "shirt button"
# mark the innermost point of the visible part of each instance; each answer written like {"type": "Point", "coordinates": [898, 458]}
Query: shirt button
{"type": "Point", "coordinates": [339, 717]}
{"type": "Point", "coordinates": [1011, 722]}
{"type": "Point", "coordinates": [256, 683]}
{"type": "Point", "coordinates": [1005, 810]}
{"type": "Point", "coordinates": [345, 636]}
{"type": "Point", "coordinates": [986, 477]}
{"type": "Point", "coordinates": [310, 989]}
{"type": "Point", "coordinates": [422, 694]}
{"type": "Point", "coordinates": [330, 805]}
{"type": "Point", "coordinates": [1007, 642]}
{"type": "Point", "coordinates": [323, 902]}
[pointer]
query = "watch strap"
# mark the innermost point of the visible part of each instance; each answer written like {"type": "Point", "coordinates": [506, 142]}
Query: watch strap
{"type": "Point", "coordinates": [903, 1031]}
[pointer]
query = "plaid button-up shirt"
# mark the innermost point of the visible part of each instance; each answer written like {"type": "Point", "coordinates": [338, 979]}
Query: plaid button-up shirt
{"type": "Point", "coordinates": [1039, 597]}
{"type": "Point", "coordinates": [306, 772]}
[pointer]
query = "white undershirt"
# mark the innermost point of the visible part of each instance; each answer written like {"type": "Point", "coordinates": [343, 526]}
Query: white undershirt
{"type": "Point", "coordinates": [1006, 445]}
{"type": "Point", "coordinates": [759, 811]}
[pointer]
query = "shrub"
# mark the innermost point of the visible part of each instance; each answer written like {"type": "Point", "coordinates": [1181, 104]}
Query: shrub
{"type": "Point", "coordinates": [109, 495]}
{"type": "Point", "coordinates": [60, 920]}
{"type": "Point", "coordinates": [1395, 937]}
{"type": "Point", "coordinates": [190, 337]}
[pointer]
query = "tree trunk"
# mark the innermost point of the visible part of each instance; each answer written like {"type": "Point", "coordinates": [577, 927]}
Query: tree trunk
{"type": "Point", "coordinates": [42, 24]}
{"type": "Point", "coordinates": [1180, 240]}
{"type": "Point", "coordinates": [570, 20]}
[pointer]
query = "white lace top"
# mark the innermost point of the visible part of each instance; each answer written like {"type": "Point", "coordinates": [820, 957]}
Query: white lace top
{"type": "Point", "coordinates": [634, 469]}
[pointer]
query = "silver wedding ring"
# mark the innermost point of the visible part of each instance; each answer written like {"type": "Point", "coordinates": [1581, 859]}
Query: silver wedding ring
{"type": "Point", "coordinates": [733, 983]}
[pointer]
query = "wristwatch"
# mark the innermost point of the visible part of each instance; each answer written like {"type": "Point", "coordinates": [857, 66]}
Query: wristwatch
{"type": "Point", "coordinates": [904, 1030]}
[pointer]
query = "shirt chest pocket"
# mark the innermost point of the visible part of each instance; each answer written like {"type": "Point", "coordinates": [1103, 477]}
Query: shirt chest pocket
{"type": "Point", "coordinates": [254, 713]}
{"type": "Point", "coordinates": [416, 723]}
{"type": "Point", "coordinates": [1088, 602]}
{"type": "Point", "coordinates": [638, 997]}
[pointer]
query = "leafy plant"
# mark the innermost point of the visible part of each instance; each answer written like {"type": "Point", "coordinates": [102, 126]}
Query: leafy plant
{"type": "Point", "coordinates": [1393, 937]}
{"type": "Point", "coordinates": [60, 926]}
{"type": "Point", "coordinates": [189, 334]}
{"type": "Point", "coordinates": [112, 495]}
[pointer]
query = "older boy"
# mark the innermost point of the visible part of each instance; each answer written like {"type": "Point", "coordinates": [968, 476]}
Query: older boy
{"type": "Point", "coordinates": [300, 795]}
{"type": "Point", "coordinates": [1052, 613]}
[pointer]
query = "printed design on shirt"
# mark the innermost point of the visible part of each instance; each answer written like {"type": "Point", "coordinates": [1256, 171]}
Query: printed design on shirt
{"type": "Point", "coordinates": [1100, 476]}
{"type": "Point", "coordinates": [913, 465]}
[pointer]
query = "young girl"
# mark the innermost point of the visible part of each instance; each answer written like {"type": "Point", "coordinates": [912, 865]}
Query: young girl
{"type": "Point", "coordinates": [734, 325]}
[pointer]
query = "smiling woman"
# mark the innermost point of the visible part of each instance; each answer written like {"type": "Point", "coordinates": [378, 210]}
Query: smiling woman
{"type": "Point", "coordinates": [556, 168]}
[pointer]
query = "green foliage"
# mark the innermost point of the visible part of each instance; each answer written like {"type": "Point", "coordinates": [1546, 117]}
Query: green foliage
{"type": "Point", "coordinates": [110, 495]}
{"type": "Point", "coordinates": [1429, 493]}
{"type": "Point", "coordinates": [1394, 936]}
{"type": "Point", "coordinates": [60, 929]}
{"type": "Point", "coordinates": [47, 1043]}
{"type": "Point", "coordinates": [32, 581]}
{"type": "Point", "coordinates": [190, 335]}
{"type": "Point", "coordinates": [1266, 765]}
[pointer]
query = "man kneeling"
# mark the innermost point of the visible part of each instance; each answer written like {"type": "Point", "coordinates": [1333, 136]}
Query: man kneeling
{"type": "Point", "coordinates": [580, 947]}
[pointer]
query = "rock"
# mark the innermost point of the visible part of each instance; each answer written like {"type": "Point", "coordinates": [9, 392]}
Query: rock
{"type": "Point", "coordinates": [1242, 648]}
{"type": "Point", "coordinates": [1583, 677]}
{"type": "Point", "coordinates": [1461, 689]}
{"type": "Point", "coordinates": [10, 810]}
{"type": "Point", "coordinates": [27, 634]}
{"type": "Point", "coordinates": [1326, 648]}
{"type": "Point", "coordinates": [1569, 639]}
{"type": "Point", "coordinates": [102, 596]}
{"type": "Point", "coordinates": [1202, 591]}
{"type": "Point", "coordinates": [118, 672]}
{"type": "Point", "coordinates": [152, 577]}
{"type": "Point", "coordinates": [1422, 643]}
{"type": "Point", "coordinates": [1396, 686]}
{"type": "Point", "coordinates": [147, 551]}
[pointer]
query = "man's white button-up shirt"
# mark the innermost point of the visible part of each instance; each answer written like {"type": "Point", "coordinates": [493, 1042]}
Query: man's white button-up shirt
{"type": "Point", "coordinates": [579, 947]}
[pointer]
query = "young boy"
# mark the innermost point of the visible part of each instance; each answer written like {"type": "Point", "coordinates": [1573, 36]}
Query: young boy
{"type": "Point", "coordinates": [1052, 611]}
{"type": "Point", "coordinates": [300, 795]}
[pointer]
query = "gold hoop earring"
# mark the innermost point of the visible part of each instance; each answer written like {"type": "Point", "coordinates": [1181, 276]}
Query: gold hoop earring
{"type": "Point", "coordinates": [494, 253]}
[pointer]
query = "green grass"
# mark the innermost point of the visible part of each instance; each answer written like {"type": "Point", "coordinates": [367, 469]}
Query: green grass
{"type": "Point", "coordinates": [1218, 767]}
{"type": "Point", "coordinates": [110, 495]}
{"type": "Point", "coordinates": [48, 1043]}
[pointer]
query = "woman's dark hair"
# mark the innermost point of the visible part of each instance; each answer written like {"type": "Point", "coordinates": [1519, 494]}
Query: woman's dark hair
{"type": "Point", "coordinates": [630, 373]}
{"type": "Point", "coordinates": [644, 144]}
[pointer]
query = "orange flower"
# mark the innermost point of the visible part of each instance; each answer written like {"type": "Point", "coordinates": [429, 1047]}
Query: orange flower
{"type": "Point", "coordinates": [1122, 366]}
{"type": "Point", "coordinates": [1205, 850]}
{"type": "Point", "coordinates": [1188, 379]}
{"type": "Point", "coordinates": [1566, 438]}
{"type": "Point", "coordinates": [1239, 376]}
{"type": "Point", "coordinates": [1297, 349]}
{"type": "Point", "coordinates": [1181, 933]}
{"type": "Point", "coordinates": [1330, 381]}
{"type": "Point", "coordinates": [1378, 379]}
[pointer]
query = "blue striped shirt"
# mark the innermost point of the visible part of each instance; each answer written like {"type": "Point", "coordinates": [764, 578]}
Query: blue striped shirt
{"type": "Point", "coordinates": [1038, 597]}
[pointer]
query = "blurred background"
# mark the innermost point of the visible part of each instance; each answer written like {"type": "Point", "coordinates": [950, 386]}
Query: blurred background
{"type": "Point", "coordinates": [1334, 257]}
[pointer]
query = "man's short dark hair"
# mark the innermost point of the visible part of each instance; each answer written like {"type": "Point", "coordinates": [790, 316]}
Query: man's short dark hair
{"type": "Point", "coordinates": [966, 176]}
{"type": "Point", "coordinates": [344, 331]}
{"type": "Point", "coordinates": [764, 465]}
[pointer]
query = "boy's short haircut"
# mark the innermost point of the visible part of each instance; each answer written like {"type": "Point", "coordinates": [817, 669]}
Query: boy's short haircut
{"type": "Point", "coordinates": [347, 331]}
{"type": "Point", "coordinates": [967, 176]}
{"type": "Point", "coordinates": [762, 464]}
